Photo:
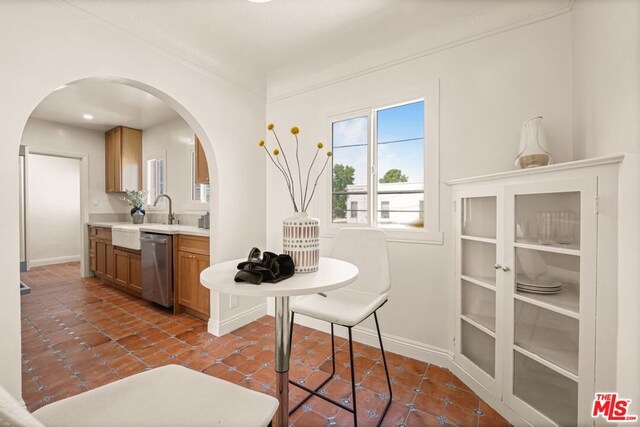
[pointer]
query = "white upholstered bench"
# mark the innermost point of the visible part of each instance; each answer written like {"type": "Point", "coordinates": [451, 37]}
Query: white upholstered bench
{"type": "Point", "coordinates": [168, 396]}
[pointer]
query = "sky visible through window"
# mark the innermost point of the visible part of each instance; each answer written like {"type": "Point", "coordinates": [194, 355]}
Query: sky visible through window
{"type": "Point", "coordinates": [399, 189]}
{"type": "Point", "coordinates": [400, 142]}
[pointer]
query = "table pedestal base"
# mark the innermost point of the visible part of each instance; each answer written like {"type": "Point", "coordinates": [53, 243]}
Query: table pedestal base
{"type": "Point", "coordinates": [283, 353]}
{"type": "Point", "coordinates": [282, 393]}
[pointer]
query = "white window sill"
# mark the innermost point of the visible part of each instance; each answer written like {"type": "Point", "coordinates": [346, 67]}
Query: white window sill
{"type": "Point", "coordinates": [395, 235]}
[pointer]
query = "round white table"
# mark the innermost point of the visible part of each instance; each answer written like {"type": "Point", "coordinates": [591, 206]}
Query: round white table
{"type": "Point", "coordinates": [332, 274]}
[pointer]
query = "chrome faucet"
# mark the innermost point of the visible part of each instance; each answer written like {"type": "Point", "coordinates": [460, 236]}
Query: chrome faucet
{"type": "Point", "coordinates": [171, 215]}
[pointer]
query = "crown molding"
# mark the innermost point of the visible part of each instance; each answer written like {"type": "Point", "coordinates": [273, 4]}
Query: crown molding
{"type": "Point", "coordinates": [155, 47]}
{"type": "Point", "coordinates": [550, 14]}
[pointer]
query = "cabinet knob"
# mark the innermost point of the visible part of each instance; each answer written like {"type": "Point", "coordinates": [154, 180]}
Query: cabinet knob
{"type": "Point", "coordinates": [497, 266]}
{"type": "Point", "coordinates": [505, 268]}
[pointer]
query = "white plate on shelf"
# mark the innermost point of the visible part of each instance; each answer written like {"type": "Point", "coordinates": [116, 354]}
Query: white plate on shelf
{"type": "Point", "coordinates": [542, 282]}
{"type": "Point", "coordinates": [540, 292]}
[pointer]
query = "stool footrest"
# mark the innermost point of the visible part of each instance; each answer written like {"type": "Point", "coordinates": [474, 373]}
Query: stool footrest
{"type": "Point", "coordinates": [321, 396]}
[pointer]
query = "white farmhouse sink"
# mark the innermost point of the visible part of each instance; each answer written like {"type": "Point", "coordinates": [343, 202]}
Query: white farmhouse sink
{"type": "Point", "coordinates": [126, 236]}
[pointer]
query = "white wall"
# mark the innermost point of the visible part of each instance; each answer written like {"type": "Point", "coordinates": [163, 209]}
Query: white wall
{"type": "Point", "coordinates": [53, 225]}
{"type": "Point", "coordinates": [606, 109]}
{"type": "Point", "coordinates": [48, 137]}
{"type": "Point", "coordinates": [54, 36]}
{"type": "Point", "coordinates": [488, 87]}
{"type": "Point", "coordinates": [172, 141]}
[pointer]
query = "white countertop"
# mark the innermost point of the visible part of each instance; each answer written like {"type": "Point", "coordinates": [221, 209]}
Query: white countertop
{"type": "Point", "coordinates": [190, 230]}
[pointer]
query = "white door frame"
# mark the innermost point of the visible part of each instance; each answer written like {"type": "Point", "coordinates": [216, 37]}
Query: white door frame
{"type": "Point", "coordinates": [84, 203]}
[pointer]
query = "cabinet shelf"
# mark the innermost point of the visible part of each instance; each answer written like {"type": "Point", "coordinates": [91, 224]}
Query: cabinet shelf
{"type": "Point", "coordinates": [545, 362]}
{"type": "Point", "coordinates": [553, 344]}
{"type": "Point", "coordinates": [566, 302]}
{"type": "Point", "coordinates": [547, 390]}
{"type": "Point", "coordinates": [556, 249]}
{"type": "Point", "coordinates": [479, 239]}
{"type": "Point", "coordinates": [485, 282]}
{"type": "Point", "coordinates": [481, 322]}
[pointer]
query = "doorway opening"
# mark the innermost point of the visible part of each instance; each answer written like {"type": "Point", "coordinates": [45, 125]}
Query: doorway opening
{"type": "Point", "coordinates": [53, 219]}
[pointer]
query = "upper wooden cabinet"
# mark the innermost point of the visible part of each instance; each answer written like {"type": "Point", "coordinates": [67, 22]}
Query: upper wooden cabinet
{"type": "Point", "coordinates": [123, 159]}
{"type": "Point", "coordinates": [202, 167]}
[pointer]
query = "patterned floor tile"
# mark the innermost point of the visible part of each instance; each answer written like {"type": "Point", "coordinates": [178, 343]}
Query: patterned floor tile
{"type": "Point", "coordinates": [78, 334]}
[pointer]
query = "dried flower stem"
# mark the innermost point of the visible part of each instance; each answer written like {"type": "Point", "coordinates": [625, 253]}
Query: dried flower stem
{"type": "Point", "coordinates": [299, 174]}
{"type": "Point", "coordinates": [304, 208]}
{"type": "Point", "coordinates": [293, 189]}
{"type": "Point", "coordinates": [306, 187]}
{"type": "Point", "coordinates": [284, 174]}
{"type": "Point", "coordinates": [290, 184]}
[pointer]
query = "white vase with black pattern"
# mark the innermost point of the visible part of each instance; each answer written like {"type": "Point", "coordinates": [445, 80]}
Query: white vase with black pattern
{"type": "Point", "coordinates": [301, 241]}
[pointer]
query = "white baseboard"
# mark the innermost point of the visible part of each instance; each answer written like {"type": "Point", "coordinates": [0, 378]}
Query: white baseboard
{"type": "Point", "coordinates": [403, 346]}
{"type": "Point", "coordinates": [222, 327]}
{"type": "Point", "coordinates": [50, 261]}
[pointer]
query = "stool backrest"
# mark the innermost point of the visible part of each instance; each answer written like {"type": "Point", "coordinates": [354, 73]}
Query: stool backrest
{"type": "Point", "coordinates": [367, 249]}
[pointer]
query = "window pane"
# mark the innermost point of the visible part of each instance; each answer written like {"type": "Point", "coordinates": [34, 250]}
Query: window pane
{"type": "Point", "coordinates": [199, 192]}
{"type": "Point", "coordinates": [400, 187]}
{"type": "Point", "coordinates": [155, 179]}
{"type": "Point", "coordinates": [349, 141]}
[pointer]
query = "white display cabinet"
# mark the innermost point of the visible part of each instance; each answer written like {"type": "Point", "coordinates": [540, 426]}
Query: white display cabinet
{"type": "Point", "coordinates": [526, 280]}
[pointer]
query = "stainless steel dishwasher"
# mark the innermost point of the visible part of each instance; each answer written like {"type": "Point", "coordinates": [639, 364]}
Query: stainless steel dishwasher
{"type": "Point", "coordinates": [157, 268]}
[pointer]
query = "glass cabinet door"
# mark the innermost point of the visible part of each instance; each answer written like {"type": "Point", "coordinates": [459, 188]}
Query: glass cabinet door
{"type": "Point", "coordinates": [477, 246]}
{"type": "Point", "coordinates": [546, 226]}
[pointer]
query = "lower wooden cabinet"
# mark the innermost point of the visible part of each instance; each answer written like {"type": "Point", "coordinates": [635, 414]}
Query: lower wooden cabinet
{"type": "Point", "coordinates": [122, 269]}
{"type": "Point", "coordinates": [115, 266]}
{"type": "Point", "coordinates": [92, 253]}
{"type": "Point", "coordinates": [191, 256]}
{"type": "Point", "coordinates": [109, 262]}
{"type": "Point", "coordinates": [135, 272]}
{"type": "Point", "coordinates": [127, 270]}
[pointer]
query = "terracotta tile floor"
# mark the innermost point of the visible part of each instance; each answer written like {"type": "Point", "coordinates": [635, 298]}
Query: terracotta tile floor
{"type": "Point", "coordinates": [78, 334]}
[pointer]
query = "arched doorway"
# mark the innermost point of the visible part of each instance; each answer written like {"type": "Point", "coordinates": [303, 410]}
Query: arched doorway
{"type": "Point", "coordinates": [58, 319]}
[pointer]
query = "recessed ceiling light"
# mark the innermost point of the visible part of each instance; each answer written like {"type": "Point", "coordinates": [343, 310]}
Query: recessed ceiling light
{"type": "Point", "coordinates": [88, 117]}
{"type": "Point", "coordinates": [259, 1]}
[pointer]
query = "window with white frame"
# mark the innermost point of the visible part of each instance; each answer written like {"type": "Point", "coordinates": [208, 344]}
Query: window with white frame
{"type": "Point", "coordinates": [155, 179]}
{"type": "Point", "coordinates": [199, 192]}
{"type": "Point", "coordinates": [379, 166]}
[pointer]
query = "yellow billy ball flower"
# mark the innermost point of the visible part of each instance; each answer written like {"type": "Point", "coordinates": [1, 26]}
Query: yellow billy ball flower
{"type": "Point", "coordinates": [261, 143]}
{"type": "Point", "coordinates": [276, 152]}
{"type": "Point", "coordinates": [270, 126]}
{"type": "Point", "coordinates": [295, 130]}
{"type": "Point", "coordinates": [319, 145]}
{"type": "Point", "coordinates": [329, 154]}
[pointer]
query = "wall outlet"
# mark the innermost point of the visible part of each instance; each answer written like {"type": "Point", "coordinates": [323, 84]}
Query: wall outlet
{"type": "Point", "coordinates": [233, 301]}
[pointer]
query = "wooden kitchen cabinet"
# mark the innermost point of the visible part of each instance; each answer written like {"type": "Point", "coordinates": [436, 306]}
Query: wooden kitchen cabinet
{"type": "Point", "coordinates": [127, 271]}
{"type": "Point", "coordinates": [135, 272]}
{"type": "Point", "coordinates": [123, 159]}
{"type": "Point", "coordinates": [115, 266]}
{"type": "Point", "coordinates": [101, 258]}
{"type": "Point", "coordinates": [109, 262]}
{"type": "Point", "coordinates": [192, 257]}
{"type": "Point", "coordinates": [202, 167]}
{"type": "Point", "coordinates": [92, 253]}
{"type": "Point", "coordinates": [101, 252]}
{"type": "Point", "coordinates": [121, 262]}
